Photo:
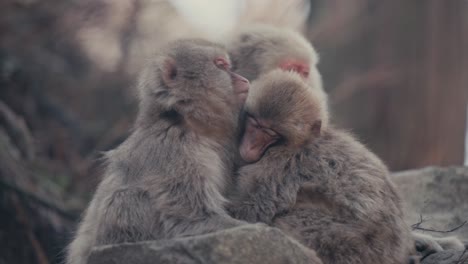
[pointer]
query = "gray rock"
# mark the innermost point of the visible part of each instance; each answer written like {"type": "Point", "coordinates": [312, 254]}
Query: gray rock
{"type": "Point", "coordinates": [439, 196]}
{"type": "Point", "coordinates": [245, 244]}
{"type": "Point", "coordinates": [447, 257]}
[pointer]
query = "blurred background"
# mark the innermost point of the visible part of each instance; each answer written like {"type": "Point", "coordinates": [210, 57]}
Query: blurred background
{"type": "Point", "coordinates": [396, 72]}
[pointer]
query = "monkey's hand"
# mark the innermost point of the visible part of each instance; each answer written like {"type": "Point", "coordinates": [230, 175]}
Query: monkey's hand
{"type": "Point", "coordinates": [265, 198]}
{"type": "Point", "coordinates": [252, 212]}
{"type": "Point", "coordinates": [426, 244]}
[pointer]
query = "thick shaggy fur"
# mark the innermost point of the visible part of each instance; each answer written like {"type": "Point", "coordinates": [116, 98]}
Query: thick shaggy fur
{"type": "Point", "coordinates": [327, 190]}
{"type": "Point", "coordinates": [168, 178]}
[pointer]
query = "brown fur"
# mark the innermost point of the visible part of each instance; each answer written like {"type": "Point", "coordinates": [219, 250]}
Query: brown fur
{"type": "Point", "coordinates": [259, 49]}
{"type": "Point", "coordinates": [326, 190]}
{"type": "Point", "coordinates": [168, 178]}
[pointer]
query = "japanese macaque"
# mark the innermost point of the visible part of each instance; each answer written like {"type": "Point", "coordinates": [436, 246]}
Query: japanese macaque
{"type": "Point", "coordinates": [260, 49]}
{"type": "Point", "coordinates": [169, 177]}
{"type": "Point", "coordinates": [313, 181]}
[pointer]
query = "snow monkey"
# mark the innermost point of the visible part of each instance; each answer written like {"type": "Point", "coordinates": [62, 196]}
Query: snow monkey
{"type": "Point", "coordinates": [168, 179]}
{"type": "Point", "coordinates": [260, 49]}
{"type": "Point", "coordinates": [313, 181]}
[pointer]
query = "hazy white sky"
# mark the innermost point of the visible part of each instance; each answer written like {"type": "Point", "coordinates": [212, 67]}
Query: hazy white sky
{"type": "Point", "coordinates": [214, 17]}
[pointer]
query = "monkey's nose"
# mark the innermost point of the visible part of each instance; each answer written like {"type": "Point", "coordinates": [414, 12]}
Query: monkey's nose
{"type": "Point", "coordinates": [243, 79]}
{"type": "Point", "coordinates": [239, 78]}
{"type": "Point", "coordinates": [241, 84]}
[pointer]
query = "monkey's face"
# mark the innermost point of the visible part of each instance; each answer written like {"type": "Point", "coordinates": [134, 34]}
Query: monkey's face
{"type": "Point", "coordinates": [281, 112]}
{"type": "Point", "coordinates": [194, 78]}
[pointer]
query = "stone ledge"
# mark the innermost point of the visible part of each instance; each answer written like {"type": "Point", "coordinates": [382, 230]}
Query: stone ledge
{"type": "Point", "coordinates": [246, 244]}
{"type": "Point", "coordinates": [440, 195]}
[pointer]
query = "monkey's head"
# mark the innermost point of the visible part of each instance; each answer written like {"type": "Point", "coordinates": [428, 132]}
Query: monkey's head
{"type": "Point", "coordinates": [191, 80]}
{"type": "Point", "coordinates": [281, 111]}
{"type": "Point", "coordinates": [261, 48]}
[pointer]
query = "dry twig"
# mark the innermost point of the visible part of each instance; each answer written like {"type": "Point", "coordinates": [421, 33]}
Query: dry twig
{"type": "Point", "coordinates": [462, 260]}
{"type": "Point", "coordinates": [439, 231]}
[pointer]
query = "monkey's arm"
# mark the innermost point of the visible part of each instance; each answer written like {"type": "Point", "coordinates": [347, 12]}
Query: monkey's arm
{"type": "Point", "coordinates": [264, 198]}
{"type": "Point", "coordinates": [79, 249]}
{"type": "Point", "coordinates": [127, 216]}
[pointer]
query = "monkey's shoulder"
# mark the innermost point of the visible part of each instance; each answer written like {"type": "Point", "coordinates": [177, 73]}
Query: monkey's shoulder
{"type": "Point", "coordinates": [337, 152]}
{"type": "Point", "coordinates": [338, 165]}
{"type": "Point", "coordinates": [148, 155]}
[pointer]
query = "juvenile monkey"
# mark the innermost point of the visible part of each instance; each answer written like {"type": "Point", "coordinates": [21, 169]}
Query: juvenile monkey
{"type": "Point", "coordinates": [260, 49]}
{"type": "Point", "coordinates": [168, 178]}
{"type": "Point", "coordinates": [315, 182]}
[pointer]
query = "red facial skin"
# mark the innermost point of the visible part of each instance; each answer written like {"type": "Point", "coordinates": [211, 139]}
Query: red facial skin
{"type": "Point", "coordinates": [297, 66]}
{"type": "Point", "coordinates": [256, 140]}
{"type": "Point", "coordinates": [257, 134]}
{"type": "Point", "coordinates": [241, 85]}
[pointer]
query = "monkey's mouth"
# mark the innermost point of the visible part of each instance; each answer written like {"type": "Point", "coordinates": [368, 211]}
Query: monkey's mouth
{"type": "Point", "coordinates": [243, 88]}
{"type": "Point", "coordinates": [242, 96]}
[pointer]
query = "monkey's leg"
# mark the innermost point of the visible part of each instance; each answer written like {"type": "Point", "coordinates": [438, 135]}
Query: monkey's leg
{"type": "Point", "coordinates": [265, 201]}
{"type": "Point", "coordinates": [250, 211]}
{"type": "Point", "coordinates": [208, 224]}
{"type": "Point", "coordinates": [225, 221]}
{"type": "Point", "coordinates": [127, 217]}
{"type": "Point", "coordinates": [334, 241]}
{"type": "Point", "coordinates": [219, 222]}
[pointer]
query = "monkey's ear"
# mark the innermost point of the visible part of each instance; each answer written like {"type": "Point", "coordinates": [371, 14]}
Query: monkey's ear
{"type": "Point", "coordinates": [169, 71]}
{"type": "Point", "coordinates": [316, 128]}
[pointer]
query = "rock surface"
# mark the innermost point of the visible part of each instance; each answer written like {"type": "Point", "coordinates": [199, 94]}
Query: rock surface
{"type": "Point", "coordinates": [439, 196]}
{"type": "Point", "coordinates": [447, 257]}
{"type": "Point", "coordinates": [245, 244]}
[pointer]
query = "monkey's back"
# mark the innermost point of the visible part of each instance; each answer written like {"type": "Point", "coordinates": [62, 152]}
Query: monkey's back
{"type": "Point", "coordinates": [347, 208]}
{"type": "Point", "coordinates": [161, 177]}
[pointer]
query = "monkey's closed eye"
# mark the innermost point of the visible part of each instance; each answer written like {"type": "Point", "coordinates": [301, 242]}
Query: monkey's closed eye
{"type": "Point", "coordinates": [271, 132]}
{"type": "Point", "coordinates": [222, 63]}
{"type": "Point", "coordinates": [267, 130]}
{"type": "Point", "coordinates": [253, 121]}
